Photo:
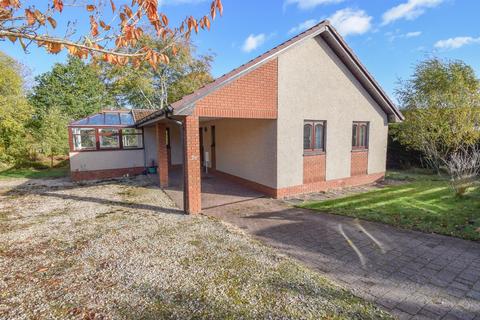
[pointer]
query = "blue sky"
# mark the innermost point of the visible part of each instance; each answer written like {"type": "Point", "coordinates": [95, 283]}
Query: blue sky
{"type": "Point", "coordinates": [389, 36]}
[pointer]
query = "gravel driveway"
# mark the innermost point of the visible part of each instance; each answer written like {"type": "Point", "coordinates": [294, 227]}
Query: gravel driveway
{"type": "Point", "coordinates": [121, 250]}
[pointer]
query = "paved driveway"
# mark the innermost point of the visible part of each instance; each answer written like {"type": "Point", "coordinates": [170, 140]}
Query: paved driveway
{"type": "Point", "coordinates": [411, 274]}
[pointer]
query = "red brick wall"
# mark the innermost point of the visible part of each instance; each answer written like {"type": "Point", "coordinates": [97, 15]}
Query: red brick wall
{"type": "Point", "coordinates": [359, 163]}
{"type": "Point", "coordinates": [162, 155]}
{"type": "Point", "coordinates": [192, 183]}
{"type": "Point", "coordinates": [254, 95]}
{"type": "Point", "coordinates": [105, 174]}
{"type": "Point", "coordinates": [304, 188]}
{"type": "Point", "coordinates": [314, 169]}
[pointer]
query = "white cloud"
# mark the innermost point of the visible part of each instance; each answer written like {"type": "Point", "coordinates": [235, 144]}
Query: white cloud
{"type": "Point", "coordinates": [349, 21]}
{"type": "Point", "coordinates": [413, 34]}
{"type": "Point", "coordinates": [253, 42]}
{"type": "Point", "coordinates": [455, 43]}
{"type": "Point", "coordinates": [409, 10]}
{"type": "Point", "coordinates": [392, 36]}
{"type": "Point", "coordinates": [303, 26]}
{"type": "Point", "coordinates": [309, 4]}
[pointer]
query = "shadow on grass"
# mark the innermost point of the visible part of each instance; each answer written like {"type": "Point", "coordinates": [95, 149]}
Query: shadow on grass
{"type": "Point", "coordinates": [424, 205]}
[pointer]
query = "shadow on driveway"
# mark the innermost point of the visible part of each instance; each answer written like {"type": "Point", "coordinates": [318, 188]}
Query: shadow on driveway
{"type": "Point", "coordinates": [406, 272]}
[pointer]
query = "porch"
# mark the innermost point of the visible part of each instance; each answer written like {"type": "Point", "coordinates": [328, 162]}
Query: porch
{"type": "Point", "coordinates": [216, 190]}
{"type": "Point", "coordinates": [205, 162]}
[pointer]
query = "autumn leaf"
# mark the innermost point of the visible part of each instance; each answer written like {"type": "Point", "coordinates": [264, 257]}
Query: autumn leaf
{"type": "Point", "coordinates": [213, 12]}
{"type": "Point", "coordinates": [220, 7]}
{"type": "Point", "coordinates": [12, 38]}
{"type": "Point", "coordinates": [164, 20]}
{"type": "Point", "coordinates": [93, 27]}
{"type": "Point", "coordinates": [90, 7]}
{"type": "Point", "coordinates": [54, 47]}
{"type": "Point", "coordinates": [113, 6]}
{"type": "Point", "coordinates": [30, 17]}
{"type": "Point", "coordinates": [52, 21]}
{"type": "Point", "coordinates": [58, 5]}
{"type": "Point", "coordinates": [39, 17]}
{"type": "Point", "coordinates": [105, 26]}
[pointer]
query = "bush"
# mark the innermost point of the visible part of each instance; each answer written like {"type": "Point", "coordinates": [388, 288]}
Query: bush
{"type": "Point", "coordinates": [463, 166]}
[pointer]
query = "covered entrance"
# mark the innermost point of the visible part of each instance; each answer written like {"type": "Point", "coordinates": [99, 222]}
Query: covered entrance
{"type": "Point", "coordinates": [205, 162]}
{"type": "Point", "coordinates": [216, 191]}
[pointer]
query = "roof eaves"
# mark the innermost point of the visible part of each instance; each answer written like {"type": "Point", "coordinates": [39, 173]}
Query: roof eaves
{"type": "Point", "coordinates": [395, 111]}
{"type": "Point", "coordinates": [150, 117]}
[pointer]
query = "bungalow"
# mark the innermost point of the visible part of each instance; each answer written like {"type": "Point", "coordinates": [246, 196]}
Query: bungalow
{"type": "Point", "coordinates": [305, 116]}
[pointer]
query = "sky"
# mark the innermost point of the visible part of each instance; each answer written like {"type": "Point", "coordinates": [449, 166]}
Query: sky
{"type": "Point", "coordinates": [389, 36]}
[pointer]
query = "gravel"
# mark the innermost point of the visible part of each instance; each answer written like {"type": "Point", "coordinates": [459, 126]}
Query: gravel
{"type": "Point", "coordinates": [121, 250]}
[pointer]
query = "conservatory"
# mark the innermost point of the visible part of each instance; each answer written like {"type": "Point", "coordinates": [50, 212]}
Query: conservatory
{"type": "Point", "coordinates": [108, 130]}
{"type": "Point", "coordinates": [106, 144]}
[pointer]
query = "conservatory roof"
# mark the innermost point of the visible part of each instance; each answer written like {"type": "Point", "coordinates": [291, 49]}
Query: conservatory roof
{"type": "Point", "coordinates": [116, 118]}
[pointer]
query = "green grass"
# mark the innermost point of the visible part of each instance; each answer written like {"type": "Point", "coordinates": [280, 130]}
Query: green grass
{"type": "Point", "coordinates": [424, 202]}
{"type": "Point", "coordinates": [34, 173]}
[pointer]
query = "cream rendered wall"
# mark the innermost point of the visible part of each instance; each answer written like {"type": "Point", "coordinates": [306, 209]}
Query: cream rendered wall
{"type": "Point", "coordinates": [104, 160]}
{"type": "Point", "coordinates": [150, 136]}
{"type": "Point", "coordinates": [315, 85]}
{"type": "Point", "coordinates": [244, 148]}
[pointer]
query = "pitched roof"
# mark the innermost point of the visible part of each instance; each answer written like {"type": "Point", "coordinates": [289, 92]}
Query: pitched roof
{"type": "Point", "coordinates": [332, 37]}
{"type": "Point", "coordinates": [140, 114]}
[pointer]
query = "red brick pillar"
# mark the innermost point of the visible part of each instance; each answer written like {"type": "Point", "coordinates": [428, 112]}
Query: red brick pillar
{"type": "Point", "coordinates": [191, 166]}
{"type": "Point", "coordinates": [162, 154]}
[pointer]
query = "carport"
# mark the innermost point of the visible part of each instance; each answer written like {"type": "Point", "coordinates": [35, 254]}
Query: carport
{"type": "Point", "coordinates": [241, 109]}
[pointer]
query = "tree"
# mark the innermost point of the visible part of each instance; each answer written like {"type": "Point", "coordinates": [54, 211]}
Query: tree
{"type": "Point", "coordinates": [74, 87]}
{"type": "Point", "coordinates": [109, 41]}
{"type": "Point", "coordinates": [149, 88]}
{"type": "Point", "coordinates": [441, 104]}
{"type": "Point", "coordinates": [52, 134]}
{"type": "Point", "coordinates": [15, 112]}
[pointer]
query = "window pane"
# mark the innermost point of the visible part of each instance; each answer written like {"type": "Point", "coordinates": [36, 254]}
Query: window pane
{"type": "Point", "coordinates": [112, 119]}
{"type": "Point", "coordinates": [109, 138]}
{"type": "Point", "coordinates": [84, 138]}
{"type": "Point", "coordinates": [307, 136]}
{"type": "Point", "coordinates": [96, 119]}
{"type": "Point", "coordinates": [131, 131]}
{"type": "Point", "coordinates": [132, 141]}
{"type": "Point", "coordinates": [319, 128]}
{"type": "Point", "coordinates": [126, 118]}
{"type": "Point", "coordinates": [132, 138]}
{"type": "Point", "coordinates": [363, 136]}
{"type": "Point", "coordinates": [354, 135]}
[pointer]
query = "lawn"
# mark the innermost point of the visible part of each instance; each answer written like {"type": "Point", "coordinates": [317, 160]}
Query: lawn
{"type": "Point", "coordinates": [423, 202]}
{"type": "Point", "coordinates": [37, 171]}
{"type": "Point", "coordinates": [121, 250]}
{"type": "Point", "coordinates": [32, 173]}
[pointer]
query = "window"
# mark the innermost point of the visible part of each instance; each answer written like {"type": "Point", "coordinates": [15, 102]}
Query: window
{"type": "Point", "coordinates": [132, 138]}
{"type": "Point", "coordinates": [360, 135]}
{"type": "Point", "coordinates": [109, 138]}
{"type": "Point", "coordinates": [314, 136]}
{"type": "Point", "coordinates": [84, 139]}
{"type": "Point", "coordinates": [98, 139]}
